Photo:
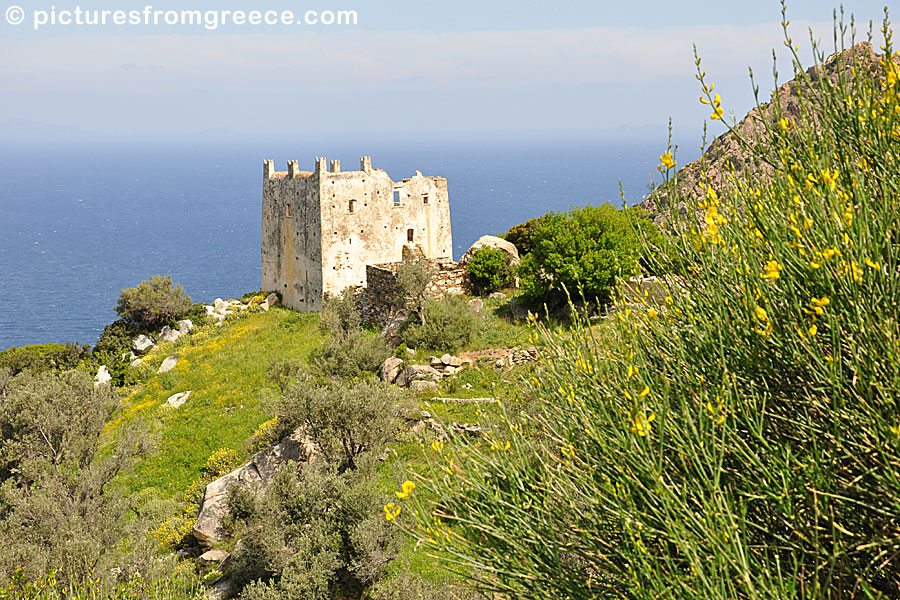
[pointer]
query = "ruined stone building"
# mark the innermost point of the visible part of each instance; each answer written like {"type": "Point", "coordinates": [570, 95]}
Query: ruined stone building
{"type": "Point", "coordinates": [321, 228]}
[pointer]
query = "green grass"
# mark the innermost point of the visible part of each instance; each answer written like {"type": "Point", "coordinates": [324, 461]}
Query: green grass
{"type": "Point", "coordinates": [225, 368]}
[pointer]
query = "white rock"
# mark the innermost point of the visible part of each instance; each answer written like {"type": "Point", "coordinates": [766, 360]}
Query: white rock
{"type": "Point", "coordinates": [255, 474]}
{"type": "Point", "coordinates": [102, 376]}
{"type": "Point", "coordinates": [446, 358]}
{"type": "Point", "coordinates": [136, 362]}
{"type": "Point", "coordinates": [168, 364]}
{"type": "Point", "coordinates": [390, 368]}
{"type": "Point", "coordinates": [142, 344]}
{"type": "Point", "coordinates": [212, 557]}
{"type": "Point", "coordinates": [168, 334]}
{"type": "Point", "coordinates": [417, 373]}
{"type": "Point", "coordinates": [422, 386]}
{"type": "Point", "coordinates": [185, 325]}
{"type": "Point", "coordinates": [491, 241]}
{"type": "Point", "coordinates": [177, 400]}
{"type": "Point", "coordinates": [220, 305]}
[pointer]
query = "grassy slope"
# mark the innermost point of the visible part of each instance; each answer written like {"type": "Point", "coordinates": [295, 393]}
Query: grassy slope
{"type": "Point", "coordinates": [225, 368]}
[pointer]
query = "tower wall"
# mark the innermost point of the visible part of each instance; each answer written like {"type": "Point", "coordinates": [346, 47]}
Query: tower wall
{"type": "Point", "coordinates": [340, 221]}
{"type": "Point", "coordinates": [291, 237]}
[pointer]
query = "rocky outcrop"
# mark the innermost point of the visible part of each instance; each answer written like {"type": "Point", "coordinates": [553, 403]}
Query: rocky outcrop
{"type": "Point", "coordinates": [726, 155]}
{"type": "Point", "coordinates": [417, 373]}
{"type": "Point", "coordinates": [491, 241]}
{"type": "Point", "coordinates": [256, 474]}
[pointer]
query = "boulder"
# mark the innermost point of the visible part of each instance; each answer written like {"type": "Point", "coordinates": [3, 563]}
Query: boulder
{"type": "Point", "coordinates": [436, 362]}
{"type": "Point", "coordinates": [445, 359]}
{"type": "Point", "coordinates": [417, 373]}
{"type": "Point", "coordinates": [453, 361]}
{"type": "Point", "coordinates": [491, 241]}
{"type": "Point", "coordinates": [392, 330]}
{"type": "Point", "coordinates": [168, 364]}
{"type": "Point", "coordinates": [497, 296]}
{"type": "Point", "coordinates": [185, 325]}
{"type": "Point", "coordinates": [219, 305]}
{"type": "Point", "coordinates": [423, 386]}
{"type": "Point", "coordinates": [142, 344]}
{"type": "Point", "coordinates": [136, 362]}
{"type": "Point", "coordinates": [211, 557]}
{"type": "Point", "coordinates": [256, 474]}
{"type": "Point", "coordinates": [178, 399]}
{"type": "Point", "coordinates": [519, 312]}
{"type": "Point", "coordinates": [270, 301]}
{"type": "Point", "coordinates": [168, 334]}
{"type": "Point", "coordinates": [477, 305]}
{"type": "Point", "coordinates": [102, 376]}
{"type": "Point", "coordinates": [219, 590]}
{"type": "Point", "coordinates": [390, 368]}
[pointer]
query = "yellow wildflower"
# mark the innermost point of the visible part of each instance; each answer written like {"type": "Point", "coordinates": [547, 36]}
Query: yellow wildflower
{"type": "Point", "coordinates": [406, 489]}
{"type": "Point", "coordinates": [391, 511]}
{"type": "Point", "coordinates": [773, 270]}
{"type": "Point", "coordinates": [667, 160]}
{"type": "Point", "coordinates": [641, 423]}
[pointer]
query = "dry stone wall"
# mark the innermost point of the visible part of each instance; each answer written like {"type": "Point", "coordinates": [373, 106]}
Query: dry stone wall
{"type": "Point", "coordinates": [448, 279]}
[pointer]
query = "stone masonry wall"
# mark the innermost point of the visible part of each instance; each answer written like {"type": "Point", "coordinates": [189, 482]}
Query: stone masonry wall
{"type": "Point", "coordinates": [449, 279]}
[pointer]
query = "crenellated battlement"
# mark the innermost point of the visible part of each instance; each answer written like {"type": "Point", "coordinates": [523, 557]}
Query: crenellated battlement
{"type": "Point", "coordinates": [321, 166]}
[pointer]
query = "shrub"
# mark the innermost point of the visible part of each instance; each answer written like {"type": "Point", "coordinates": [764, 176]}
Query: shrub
{"type": "Point", "coordinates": [413, 277]}
{"type": "Point", "coordinates": [44, 357]}
{"type": "Point", "coordinates": [522, 235]}
{"type": "Point", "coordinates": [741, 440]}
{"type": "Point", "coordinates": [57, 507]}
{"type": "Point", "coordinates": [340, 315]}
{"type": "Point", "coordinates": [581, 252]}
{"type": "Point", "coordinates": [359, 352]}
{"type": "Point", "coordinates": [316, 534]}
{"type": "Point", "coordinates": [344, 419]}
{"type": "Point", "coordinates": [349, 350]}
{"type": "Point", "coordinates": [449, 324]}
{"type": "Point", "coordinates": [490, 270]}
{"type": "Point", "coordinates": [116, 338]}
{"type": "Point", "coordinates": [153, 303]}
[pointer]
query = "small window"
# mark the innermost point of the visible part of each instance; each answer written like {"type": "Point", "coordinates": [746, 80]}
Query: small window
{"type": "Point", "coordinates": [351, 206]}
{"type": "Point", "coordinates": [396, 197]}
{"type": "Point", "coordinates": [425, 199]}
{"type": "Point", "coordinates": [288, 210]}
{"type": "Point", "coordinates": [409, 235]}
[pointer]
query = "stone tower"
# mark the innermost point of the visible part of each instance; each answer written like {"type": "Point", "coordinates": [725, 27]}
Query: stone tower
{"type": "Point", "coordinates": [321, 228]}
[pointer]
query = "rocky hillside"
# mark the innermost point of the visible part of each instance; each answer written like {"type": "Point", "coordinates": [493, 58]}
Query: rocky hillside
{"type": "Point", "coordinates": [726, 154]}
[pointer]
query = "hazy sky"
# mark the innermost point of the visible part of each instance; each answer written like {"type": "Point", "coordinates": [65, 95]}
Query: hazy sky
{"type": "Point", "coordinates": [409, 69]}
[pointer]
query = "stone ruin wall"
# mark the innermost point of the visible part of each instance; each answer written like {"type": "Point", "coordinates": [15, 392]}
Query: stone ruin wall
{"type": "Point", "coordinates": [448, 279]}
{"type": "Point", "coordinates": [321, 228]}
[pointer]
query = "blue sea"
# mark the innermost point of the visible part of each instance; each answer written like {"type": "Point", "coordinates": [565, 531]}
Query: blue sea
{"type": "Point", "coordinates": [78, 222]}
